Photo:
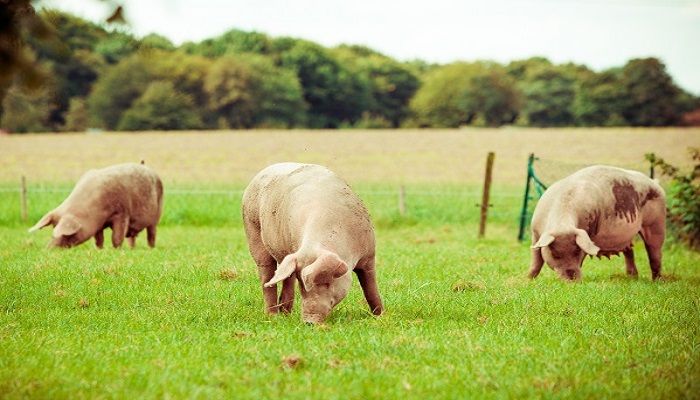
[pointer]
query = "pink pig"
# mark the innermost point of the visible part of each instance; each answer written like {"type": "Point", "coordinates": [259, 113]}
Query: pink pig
{"type": "Point", "coordinates": [126, 197]}
{"type": "Point", "coordinates": [598, 211]}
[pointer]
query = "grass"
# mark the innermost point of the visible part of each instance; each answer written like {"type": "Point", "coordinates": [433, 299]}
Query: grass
{"type": "Point", "coordinates": [185, 320]}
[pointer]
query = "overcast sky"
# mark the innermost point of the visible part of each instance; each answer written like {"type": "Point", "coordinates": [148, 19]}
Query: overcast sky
{"type": "Point", "coordinates": [598, 33]}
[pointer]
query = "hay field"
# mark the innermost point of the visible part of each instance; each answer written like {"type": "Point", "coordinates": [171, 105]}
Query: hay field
{"type": "Point", "coordinates": [385, 157]}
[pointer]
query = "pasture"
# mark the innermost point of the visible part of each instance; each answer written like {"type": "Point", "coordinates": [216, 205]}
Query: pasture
{"type": "Point", "coordinates": [185, 320]}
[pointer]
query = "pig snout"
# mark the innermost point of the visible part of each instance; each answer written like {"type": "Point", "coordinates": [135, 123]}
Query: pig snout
{"type": "Point", "coordinates": [570, 274]}
{"type": "Point", "coordinates": [315, 312]}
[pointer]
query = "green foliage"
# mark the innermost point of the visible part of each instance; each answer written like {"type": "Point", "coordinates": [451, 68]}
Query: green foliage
{"type": "Point", "coordinates": [347, 86]}
{"type": "Point", "coordinates": [116, 47]}
{"type": "Point", "coordinates": [234, 41]}
{"type": "Point", "coordinates": [392, 84]}
{"type": "Point", "coordinates": [369, 121]}
{"type": "Point", "coordinates": [460, 93]}
{"type": "Point", "coordinates": [683, 199]}
{"type": "Point", "coordinates": [77, 118]}
{"type": "Point", "coordinates": [548, 92]}
{"type": "Point", "coordinates": [117, 89]}
{"type": "Point", "coordinates": [70, 59]}
{"type": "Point", "coordinates": [186, 72]}
{"type": "Point", "coordinates": [157, 42]}
{"type": "Point", "coordinates": [25, 110]}
{"type": "Point", "coordinates": [600, 100]}
{"type": "Point", "coordinates": [160, 107]}
{"type": "Point", "coordinates": [333, 93]}
{"type": "Point", "coordinates": [250, 91]}
{"type": "Point", "coordinates": [651, 93]}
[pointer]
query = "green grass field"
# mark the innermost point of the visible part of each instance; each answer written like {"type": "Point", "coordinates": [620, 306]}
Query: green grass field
{"type": "Point", "coordinates": [185, 320]}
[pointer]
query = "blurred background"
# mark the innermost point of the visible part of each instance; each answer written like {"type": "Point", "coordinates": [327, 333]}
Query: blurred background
{"type": "Point", "coordinates": [77, 65]}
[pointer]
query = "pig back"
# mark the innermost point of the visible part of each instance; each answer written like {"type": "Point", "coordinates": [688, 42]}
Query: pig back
{"type": "Point", "coordinates": [132, 189]}
{"type": "Point", "coordinates": [610, 203]}
{"type": "Point", "coordinates": [305, 202]}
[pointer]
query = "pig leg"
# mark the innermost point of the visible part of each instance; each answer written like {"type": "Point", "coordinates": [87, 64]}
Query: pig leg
{"type": "Point", "coordinates": [536, 263]}
{"type": "Point", "coordinates": [151, 234]}
{"type": "Point", "coordinates": [131, 240]}
{"type": "Point", "coordinates": [266, 266]}
{"type": "Point", "coordinates": [629, 262]}
{"type": "Point", "coordinates": [120, 224]}
{"type": "Point", "coordinates": [286, 300]}
{"type": "Point", "coordinates": [99, 239]}
{"type": "Point", "coordinates": [368, 281]}
{"type": "Point", "coordinates": [653, 236]}
{"type": "Point", "coordinates": [266, 270]}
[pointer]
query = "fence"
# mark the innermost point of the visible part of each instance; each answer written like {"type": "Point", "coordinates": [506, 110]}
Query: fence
{"type": "Point", "coordinates": [389, 206]}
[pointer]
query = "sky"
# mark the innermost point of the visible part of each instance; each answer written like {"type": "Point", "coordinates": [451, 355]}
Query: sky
{"type": "Point", "coordinates": [598, 33]}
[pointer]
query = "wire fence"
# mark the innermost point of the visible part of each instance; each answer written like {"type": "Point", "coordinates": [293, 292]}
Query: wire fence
{"type": "Point", "coordinates": [390, 206]}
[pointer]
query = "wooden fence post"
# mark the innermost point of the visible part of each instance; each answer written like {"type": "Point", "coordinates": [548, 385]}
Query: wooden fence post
{"type": "Point", "coordinates": [23, 198]}
{"type": "Point", "coordinates": [486, 194]}
{"type": "Point", "coordinates": [402, 200]}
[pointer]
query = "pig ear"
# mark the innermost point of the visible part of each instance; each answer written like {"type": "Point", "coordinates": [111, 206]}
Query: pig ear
{"type": "Point", "coordinates": [585, 243]}
{"type": "Point", "coordinates": [284, 270]}
{"type": "Point", "coordinates": [46, 220]}
{"type": "Point", "coordinates": [325, 269]}
{"type": "Point", "coordinates": [66, 226]}
{"type": "Point", "coordinates": [545, 240]}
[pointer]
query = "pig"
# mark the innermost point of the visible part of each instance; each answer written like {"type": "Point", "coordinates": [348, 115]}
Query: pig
{"type": "Point", "coordinates": [304, 223]}
{"type": "Point", "coordinates": [597, 211]}
{"type": "Point", "coordinates": [126, 198]}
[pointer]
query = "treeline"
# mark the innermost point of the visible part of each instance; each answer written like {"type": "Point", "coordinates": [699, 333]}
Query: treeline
{"type": "Point", "coordinates": [112, 80]}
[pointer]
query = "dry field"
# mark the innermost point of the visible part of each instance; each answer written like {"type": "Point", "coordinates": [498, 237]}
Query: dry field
{"type": "Point", "coordinates": [366, 157]}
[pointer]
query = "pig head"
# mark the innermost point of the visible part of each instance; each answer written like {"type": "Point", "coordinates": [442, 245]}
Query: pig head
{"type": "Point", "coordinates": [68, 229]}
{"type": "Point", "coordinates": [324, 281]}
{"type": "Point", "coordinates": [565, 251]}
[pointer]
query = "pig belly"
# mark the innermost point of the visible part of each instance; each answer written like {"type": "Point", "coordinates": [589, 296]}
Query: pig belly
{"type": "Point", "coordinates": [616, 234]}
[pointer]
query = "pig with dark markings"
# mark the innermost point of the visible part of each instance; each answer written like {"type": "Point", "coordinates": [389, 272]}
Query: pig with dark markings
{"type": "Point", "coordinates": [598, 211]}
{"type": "Point", "coordinates": [304, 223]}
{"type": "Point", "coordinates": [127, 198]}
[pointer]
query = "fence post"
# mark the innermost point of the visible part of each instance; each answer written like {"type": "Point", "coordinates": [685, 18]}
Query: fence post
{"type": "Point", "coordinates": [23, 198]}
{"type": "Point", "coordinates": [486, 193]}
{"type": "Point", "coordinates": [402, 200]}
{"type": "Point", "coordinates": [526, 198]}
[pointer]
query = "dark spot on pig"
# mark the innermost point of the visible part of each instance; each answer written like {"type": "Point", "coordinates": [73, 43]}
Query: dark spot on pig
{"type": "Point", "coordinates": [651, 195]}
{"type": "Point", "coordinates": [571, 273]}
{"type": "Point", "coordinates": [592, 222]}
{"type": "Point", "coordinates": [626, 200]}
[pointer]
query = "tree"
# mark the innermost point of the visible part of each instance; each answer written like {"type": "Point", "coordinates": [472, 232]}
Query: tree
{"type": "Point", "coordinates": [462, 93]}
{"type": "Point", "coordinates": [600, 99]}
{"type": "Point", "coordinates": [161, 107]}
{"type": "Point", "coordinates": [333, 93]}
{"type": "Point", "coordinates": [548, 91]}
{"type": "Point", "coordinates": [117, 89]}
{"type": "Point", "coordinates": [651, 93]}
{"type": "Point", "coordinates": [250, 91]}
{"type": "Point", "coordinates": [392, 85]}
{"type": "Point", "coordinates": [25, 110]}
{"type": "Point", "coordinates": [234, 41]}
{"type": "Point", "coordinates": [69, 61]}
{"type": "Point", "coordinates": [155, 41]}
{"type": "Point", "coordinates": [187, 72]}
{"type": "Point", "coordinates": [116, 47]}
{"type": "Point", "coordinates": [77, 118]}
